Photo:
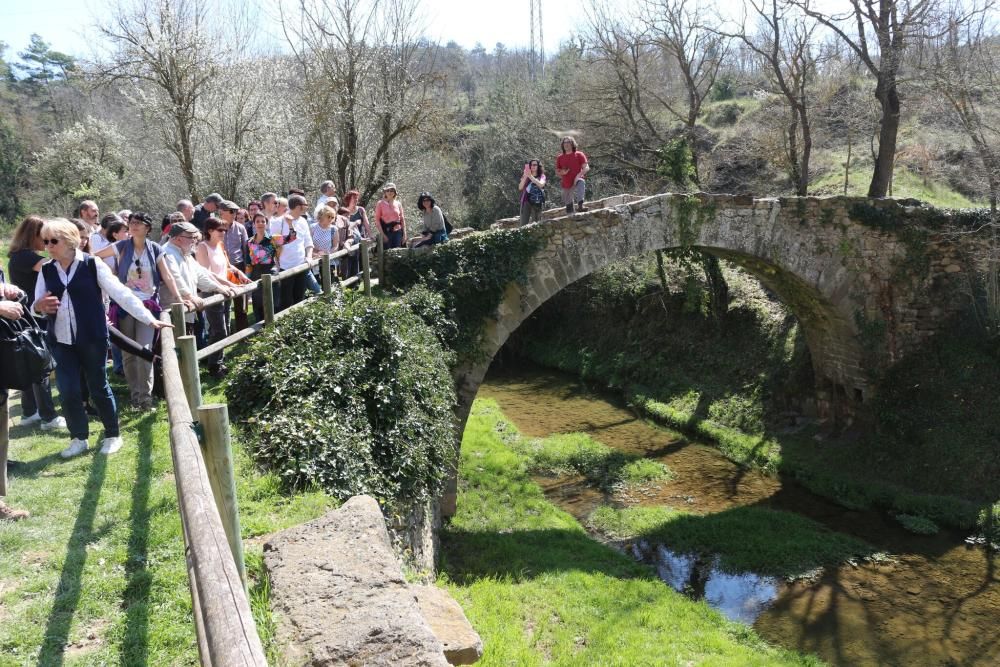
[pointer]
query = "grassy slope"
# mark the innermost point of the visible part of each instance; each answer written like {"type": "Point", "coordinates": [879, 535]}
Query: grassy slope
{"type": "Point", "coordinates": [540, 591]}
{"type": "Point", "coordinates": [97, 574]}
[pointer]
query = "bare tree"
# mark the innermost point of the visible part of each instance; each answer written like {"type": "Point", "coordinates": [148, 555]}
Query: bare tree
{"type": "Point", "coordinates": [783, 41]}
{"type": "Point", "coordinates": [961, 69]}
{"type": "Point", "coordinates": [368, 80]}
{"type": "Point", "coordinates": [879, 32]}
{"type": "Point", "coordinates": [164, 56]}
{"type": "Point", "coordinates": [677, 27]}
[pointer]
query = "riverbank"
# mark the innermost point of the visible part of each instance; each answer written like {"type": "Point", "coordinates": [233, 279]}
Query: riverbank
{"type": "Point", "coordinates": [854, 587]}
{"type": "Point", "coordinates": [539, 590]}
{"type": "Point", "coordinates": [930, 452]}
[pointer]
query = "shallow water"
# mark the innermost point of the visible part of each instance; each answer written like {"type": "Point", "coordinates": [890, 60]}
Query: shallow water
{"type": "Point", "coordinates": [937, 602]}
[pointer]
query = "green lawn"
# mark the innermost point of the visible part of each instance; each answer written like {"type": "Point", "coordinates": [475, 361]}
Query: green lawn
{"type": "Point", "coordinates": [540, 591]}
{"type": "Point", "coordinates": [97, 576]}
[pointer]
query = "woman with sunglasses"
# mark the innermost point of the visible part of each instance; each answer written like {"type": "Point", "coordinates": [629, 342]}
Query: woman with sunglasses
{"type": "Point", "coordinates": [69, 293]}
{"type": "Point", "coordinates": [211, 254]}
{"type": "Point", "coordinates": [142, 267]}
{"type": "Point", "coordinates": [434, 230]}
{"type": "Point", "coordinates": [389, 218]}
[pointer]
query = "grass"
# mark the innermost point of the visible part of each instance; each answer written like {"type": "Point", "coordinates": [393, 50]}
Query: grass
{"type": "Point", "coordinates": [97, 574]}
{"type": "Point", "coordinates": [540, 591]}
{"type": "Point", "coordinates": [905, 184]}
{"type": "Point", "coordinates": [578, 453]}
{"type": "Point", "coordinates": [745, 539]}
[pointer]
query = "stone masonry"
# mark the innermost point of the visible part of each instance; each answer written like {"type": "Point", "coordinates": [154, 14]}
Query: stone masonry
{"type": "Point", "coordinates": [865, 297]}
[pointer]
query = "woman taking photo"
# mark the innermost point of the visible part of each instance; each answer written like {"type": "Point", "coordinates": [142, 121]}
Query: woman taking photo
{"type": "Point", "coordinates": [389, 218]}
{"type": "Point", "coordinates": [141, 266]}
{"type": "Point", "coordinates": [211, 254]}
{"type": "Point", "coordinates": [26, 261]}
{"type": "Point", "coordinates": [69, 293]}
{"type": "Point", "coordinates": [532, 187]}
{"type": "Point", "coordinates": [263, 256]}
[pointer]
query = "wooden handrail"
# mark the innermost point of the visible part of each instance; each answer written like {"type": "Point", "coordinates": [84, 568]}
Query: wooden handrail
{"type": "Point", "coordinates": [224, 623]}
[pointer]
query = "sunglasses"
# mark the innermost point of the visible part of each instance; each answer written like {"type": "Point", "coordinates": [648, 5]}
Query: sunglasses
{"type": "Point", "coordinates": [138, 268]}
{"type": "Point", "coordinates": [50, 241]}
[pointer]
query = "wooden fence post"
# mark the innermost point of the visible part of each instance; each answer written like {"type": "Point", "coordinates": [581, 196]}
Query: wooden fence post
{"type": "Point", "coordinates": [178, 320]}
{"type": "Point", "coordinates": [214, 418]}
{"type": "Point", "coordinates": [382, 282]}
{"type": "Point", "coordinates": [188, 352]}
{"type": "Point", "coordinates": [267, 284]}
{"type": "Point", "coordinates": [324, 274]}
{"type": "Point", "coordinates": [366, 268]}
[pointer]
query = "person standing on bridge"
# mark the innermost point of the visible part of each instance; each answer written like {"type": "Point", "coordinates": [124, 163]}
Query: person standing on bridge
{"type": "Point", "coordinates": [571, 167]}
{"type": "Point", "coordinates": [389, 218]}
{"type": "Point", "coordinates": [532, 187]}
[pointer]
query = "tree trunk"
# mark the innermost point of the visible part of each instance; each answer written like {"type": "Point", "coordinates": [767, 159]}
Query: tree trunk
{"type": "Point", "coordinates": [803, 184]}
{"type": "Point", "coordinates": [661, 272]}
{"type": "Point", "coordinates": [888, 99]}
{"type": "Point", "coordinates": [717, 286]}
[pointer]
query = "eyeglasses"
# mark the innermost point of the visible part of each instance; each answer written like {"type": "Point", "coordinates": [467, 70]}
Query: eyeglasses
{"type": "Point", "coordinates": [50, 241]}
{"type": "Point", "coordinates": [186, 237]}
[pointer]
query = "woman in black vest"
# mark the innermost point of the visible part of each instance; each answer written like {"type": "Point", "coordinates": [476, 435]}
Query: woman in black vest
{"type": "Point", "coordinates": [69, 293]}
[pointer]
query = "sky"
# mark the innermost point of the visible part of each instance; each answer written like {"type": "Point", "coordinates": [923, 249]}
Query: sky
{"type": "Point", "coordinates": [64, 24]}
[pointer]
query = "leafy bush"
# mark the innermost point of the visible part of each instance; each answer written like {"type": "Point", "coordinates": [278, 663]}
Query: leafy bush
{"type": "Point", "coordinates": [723, 114]}
{"type": "Point", "coordinates": [349, 394]}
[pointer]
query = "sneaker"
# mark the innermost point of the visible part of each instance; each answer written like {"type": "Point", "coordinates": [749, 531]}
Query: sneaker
{"type": "Point", "coordinates": [111, 445]}
{"type": "Point", "coordinates": [11, 514]}
{"type": "Point", "coordinates": [76, 447]}
{"type": "Point", "coordinates": [33, 419]}
{"type": "Point", "coordinates": [58, 422]}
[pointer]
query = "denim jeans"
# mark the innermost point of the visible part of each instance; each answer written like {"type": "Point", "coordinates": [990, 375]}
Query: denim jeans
{"type": "Point", "coordinates": [394, 239]}
{"type": "Point", "coordinates": [91, 361]}
{"type": "Point", "coordinates": [39, 399]}
{"type": "Point", "coordinates": [312, 284]}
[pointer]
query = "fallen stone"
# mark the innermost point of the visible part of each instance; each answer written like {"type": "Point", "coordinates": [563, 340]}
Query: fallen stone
{"type": "Point", "coordinates": [339, 595]}
{"type": "Point", "coordinates": [462, 645]}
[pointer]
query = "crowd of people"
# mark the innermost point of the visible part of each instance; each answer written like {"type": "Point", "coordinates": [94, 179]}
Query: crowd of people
{"type": "Point", "coordinates": [105, 279]}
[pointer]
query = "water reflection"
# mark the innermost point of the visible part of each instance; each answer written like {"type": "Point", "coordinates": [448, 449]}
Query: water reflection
{"type": "Point", "coordinates": [740, 597]}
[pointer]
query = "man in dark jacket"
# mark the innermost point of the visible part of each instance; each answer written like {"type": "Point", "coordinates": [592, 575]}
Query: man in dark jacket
{"type": "Point", "coordinates": [205, 210]}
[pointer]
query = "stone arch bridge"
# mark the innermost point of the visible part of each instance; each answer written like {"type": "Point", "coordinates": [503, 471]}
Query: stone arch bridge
{"type": "Point", "coordinates": [868, 282]}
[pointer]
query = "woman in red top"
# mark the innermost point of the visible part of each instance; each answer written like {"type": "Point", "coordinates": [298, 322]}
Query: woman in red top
{"type": "Point", "coordinates": [572, 166]}
{"type": "Point", "coordinates": [389, 218]}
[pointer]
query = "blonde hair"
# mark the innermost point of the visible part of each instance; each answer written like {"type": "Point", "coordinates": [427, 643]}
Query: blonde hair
{"type": "Point", "coordinates": [62, 229]}
{"type": "Point", "coordinates": [283, 201]}
{"type": "Point", "coordinates": [327, 212]}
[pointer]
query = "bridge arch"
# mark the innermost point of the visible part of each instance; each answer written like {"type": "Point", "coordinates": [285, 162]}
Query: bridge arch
{"type": "Point", "coordinates": [837, 275]}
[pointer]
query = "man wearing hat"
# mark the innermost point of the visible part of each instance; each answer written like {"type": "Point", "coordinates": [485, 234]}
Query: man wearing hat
{"type": "Point", "coordinates": [389, 218]}
{"type": "Point", "coordinates": [235, 242]}
{"type": "Point", "coordinates": [188, 274]}
{"type": "Point", "coordinates": [203, 210]}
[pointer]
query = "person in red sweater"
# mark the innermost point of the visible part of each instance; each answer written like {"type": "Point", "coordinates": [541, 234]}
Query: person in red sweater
{"type": "Point", "coordinates": [571, 167]}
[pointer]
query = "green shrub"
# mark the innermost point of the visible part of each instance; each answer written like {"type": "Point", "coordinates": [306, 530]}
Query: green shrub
{"type": "Point", "coordinates": [349, 394]}
{"type": "Point", "coordinates": [643, 471]}
{"type": "Point", "coordinates": [723, 114]}
{"type": "Point", "coordinates": [917, 524]}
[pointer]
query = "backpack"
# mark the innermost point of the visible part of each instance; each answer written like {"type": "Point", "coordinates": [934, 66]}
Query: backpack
{"type": "Point", "coordinates": [447, 225]}
{"type": "Point", "coordinates": [536, 195]}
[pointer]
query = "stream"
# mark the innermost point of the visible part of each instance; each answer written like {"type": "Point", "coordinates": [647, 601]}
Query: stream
{"type": "Point", "coordinates": [936, 601]}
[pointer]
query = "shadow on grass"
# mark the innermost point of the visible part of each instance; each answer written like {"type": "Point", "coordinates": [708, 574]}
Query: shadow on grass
{"type": "Point", "coordinates": [135, 647]}
{"type": "Point", "coordinates": [523, 555]}
{"type": "Point", "coordinates": [67, 594]}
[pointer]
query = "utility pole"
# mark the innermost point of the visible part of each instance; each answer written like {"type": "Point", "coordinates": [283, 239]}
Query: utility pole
{"type": "Point", "coordinates": [537, 62]}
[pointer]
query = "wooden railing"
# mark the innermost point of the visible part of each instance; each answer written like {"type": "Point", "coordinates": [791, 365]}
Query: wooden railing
{"type": "Point", "coordinates": [203, 473]}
